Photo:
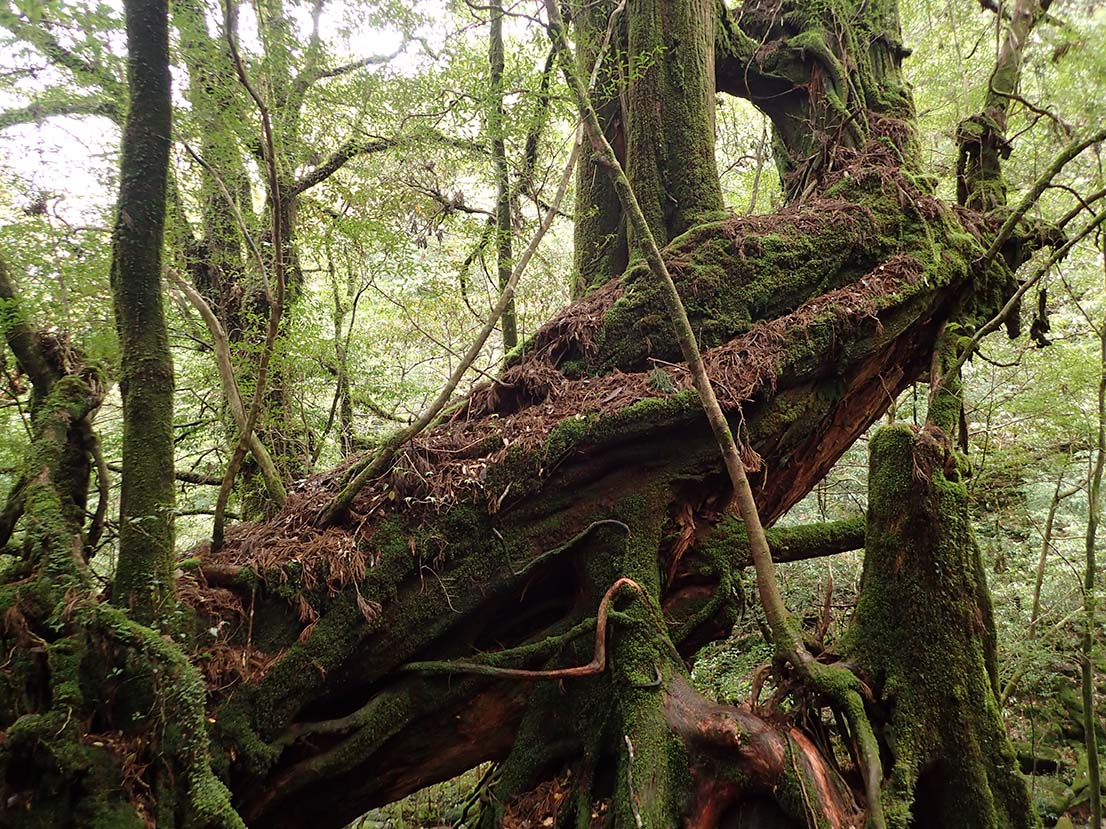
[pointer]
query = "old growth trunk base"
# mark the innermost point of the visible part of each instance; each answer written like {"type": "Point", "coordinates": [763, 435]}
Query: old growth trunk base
{"type": "Point", "coordinates": [924, 635]}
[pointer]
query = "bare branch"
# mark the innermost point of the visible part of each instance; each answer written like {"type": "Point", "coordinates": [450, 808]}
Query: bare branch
{"type": "Point", "coordinates": [221, 345]}
{"type": "Point", "coordinates": [181, 475]}
{"type": "Point", "coordinates": [346, 68]}
{"type": "Point", "coordinates": [597, 665]}
{"type": "Point", "coordinates": [358, 147]}
{"type": "Point", "coordinates": [376, 463]}
{"type": "Point", "coordinates": [337, 160]}
{"type": "Point", "coordinates": [39, 111]}
{"type": "Point", "coordinates": [1025, 205]}
{"type": "Point", "coordinates": [1012, 303]}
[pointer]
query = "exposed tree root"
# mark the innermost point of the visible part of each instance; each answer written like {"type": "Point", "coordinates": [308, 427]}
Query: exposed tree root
{"type": "Point", "coordinates": [597, 664]}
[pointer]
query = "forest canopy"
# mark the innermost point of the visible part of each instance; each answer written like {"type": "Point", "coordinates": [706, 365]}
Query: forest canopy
{"type": "Point", "coordinates": [621, 413]}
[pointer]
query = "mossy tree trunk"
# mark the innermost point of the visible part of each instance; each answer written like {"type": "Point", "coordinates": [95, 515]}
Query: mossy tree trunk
{"type": "Point", "coordinates": [599, 231]}
{"type": "Point", "coordinates": [670, 99]}
{"type": "Point", "coordinates": [144, 573]}
{"type": "Point", "coordinates": [825, 83]}
{"type": "Point", "coordinates": [925, 636]}
{"type": "Point", "coordinates": [87, 694]}
{"type": "Point", "coordinates": [496, 126]}
{"type": "Point", "coordinates": [655, 97]}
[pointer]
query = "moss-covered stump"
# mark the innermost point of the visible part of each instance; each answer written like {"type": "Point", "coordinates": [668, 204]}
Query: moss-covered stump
{"type": "Point", "coordinates": [924, 634]}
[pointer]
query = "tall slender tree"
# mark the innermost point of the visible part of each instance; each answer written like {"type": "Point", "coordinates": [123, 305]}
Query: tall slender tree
{"type": "Point", "coordinates": [496, 129]}
{"type": "Point", "coordinates": [144, 574]}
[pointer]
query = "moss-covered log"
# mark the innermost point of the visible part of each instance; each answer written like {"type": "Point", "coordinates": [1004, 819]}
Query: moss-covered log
{"type": "Point", "coordinates": [496, 553]}
{"type": "Point", "coordinates": [589, 461]}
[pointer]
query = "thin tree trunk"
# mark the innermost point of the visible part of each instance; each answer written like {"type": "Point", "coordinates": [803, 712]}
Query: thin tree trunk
{"type": "Point", "coordinates": [1090, 721]}
{"type": "Point", "coordinates": [274, 296]}
{"type": "Point", "coordinates": [1058, 497]}
{"type": "Point", "coordinates": [223, 362]}
{"type": "Point", "coordinates": [496, 129]}
{"type": "Point", "coordinates": [1046, 544]}
{"type": "Point", "coordinates": [144, 575]}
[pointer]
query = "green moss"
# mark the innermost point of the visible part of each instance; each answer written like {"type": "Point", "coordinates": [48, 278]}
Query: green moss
{"type": "Point", "coordinates": [921, 631]}
{"type": "Point", "coordinates": [669, 122]}
{"type": "Point", "coordinates": [729, 276]}
{"type": "Point", "coordinates": [569, 433]}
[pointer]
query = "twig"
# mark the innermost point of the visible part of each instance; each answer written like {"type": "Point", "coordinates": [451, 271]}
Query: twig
{"type": "Point", "coordinates": [185, 477]}
{"type": "Point", "coordinates": [630, 781]}
{"type": "Point", "coordinates": [1012, 303]}
{"type": "Point", "coordinates": [375, 464]}
{"type": "Point", "coordinates": [1026, 204]}
{"type": "Point", "coordinates": [221, 345]}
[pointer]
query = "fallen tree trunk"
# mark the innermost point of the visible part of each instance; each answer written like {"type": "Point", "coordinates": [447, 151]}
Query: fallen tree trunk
{"type": "Point", "coordinates": [494, 535]}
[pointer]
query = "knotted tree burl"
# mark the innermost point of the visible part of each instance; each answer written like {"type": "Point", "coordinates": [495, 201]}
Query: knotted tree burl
{"type": "Point", "coordinates": [530, 578]}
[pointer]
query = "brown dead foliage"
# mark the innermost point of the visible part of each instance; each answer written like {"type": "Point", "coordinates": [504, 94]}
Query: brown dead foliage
{"type": "Point", "coordinates": [515, 414]}
{"type": "Point", "coordinates": [210, 601]}
{"type": "Point", "coordinates": [132, 760]}
{"type": "Point", "coordinates": [225, 664]}
{"type": "Point", "coordinates": [450, 463]}
{"type": "Point", "coordinates": [539, 807]}
{"type": "Point", "coordinates": [748, 365]}
{"type": "Point", "coordinates": [231, 657]}
{"type": "Point", "coordinates": [573, 330]}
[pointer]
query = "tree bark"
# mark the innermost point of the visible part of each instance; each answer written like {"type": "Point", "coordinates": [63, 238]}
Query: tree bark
{"type": "Point", "coordinates": [924, 633]}
{"type": "Point", "coordinates": [496, 121]}
{"type": "Point", "coordinates": [600, 246]}
{"type": "Point", "coordinates": [144, 573]}
{"type": "Point", "coordinates": [670, 99]}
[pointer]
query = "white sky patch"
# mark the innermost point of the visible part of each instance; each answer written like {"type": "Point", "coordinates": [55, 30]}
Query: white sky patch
{"type": "Point", "coordinates": [69, 161]}
{"type": "Point", "coordinates": [73, 161]}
